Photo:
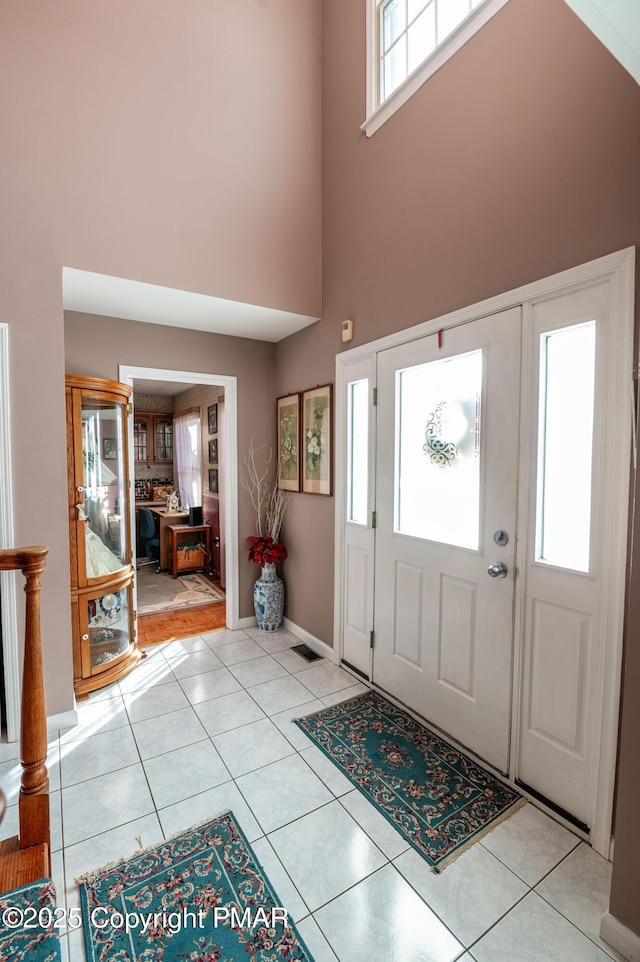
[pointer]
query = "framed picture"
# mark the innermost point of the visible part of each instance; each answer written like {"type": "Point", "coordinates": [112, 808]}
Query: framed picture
{"type": "Point", "coordinates": [212, 413]}
{"type": "Point", "coordinates": [109, 449]}
{"type": "Point", "coordinates": [213, 451]}
{"type": "Point", "coordinates": [213, 480]}
{"type": "Point", "coordinates": [288, 442]}
{"type": "Point", "coordinates": [317, 440]}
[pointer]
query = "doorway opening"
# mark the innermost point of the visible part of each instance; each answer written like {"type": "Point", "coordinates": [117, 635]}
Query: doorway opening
{"type": "Point", "coordinates": [212, 574]}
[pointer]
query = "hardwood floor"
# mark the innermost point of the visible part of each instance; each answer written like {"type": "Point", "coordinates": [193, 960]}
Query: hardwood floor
{"type": "Point", "coordinates": [169, 625]}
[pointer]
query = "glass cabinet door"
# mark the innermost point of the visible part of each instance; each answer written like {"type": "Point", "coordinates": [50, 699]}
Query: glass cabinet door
{"type": "Point", "coordinates": [106, 627]}
{"type": "Point", "coordinates": [141, 438]}
{"type": "Point", "coordinates": [104, 477]}
{"type": "Point", "coordinates": [163, 428]}
{"type": "Point", "coordinates": [102, 612]}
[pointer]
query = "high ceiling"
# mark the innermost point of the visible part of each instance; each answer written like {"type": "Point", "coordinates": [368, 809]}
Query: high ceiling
{"type": "Point", "coordinates": [616, 23]}
{"type": "Point", "coordinates": [90, 293]}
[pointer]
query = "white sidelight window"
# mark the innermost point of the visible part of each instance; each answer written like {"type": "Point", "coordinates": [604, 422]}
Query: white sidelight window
{"type": "Point", "coordinates": [565, 446]}
{"type": "Point", "coordinates": [358, 451]}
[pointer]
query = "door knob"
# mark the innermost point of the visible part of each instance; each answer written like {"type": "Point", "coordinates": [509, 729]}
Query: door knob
{"type": "Point", "coordinates": [497, 570]}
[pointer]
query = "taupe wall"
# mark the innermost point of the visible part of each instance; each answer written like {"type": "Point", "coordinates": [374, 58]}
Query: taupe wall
{"type": "Point", "coordinates": [170, 348]}
{"type": "Point", "coordinates": [518, 159]}
{"type": "Point", "coordinates": [172, 143]}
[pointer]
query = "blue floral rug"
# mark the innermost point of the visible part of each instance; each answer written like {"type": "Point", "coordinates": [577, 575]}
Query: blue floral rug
{"type": "Point", "coordinates": [435, 796]}
{"type": "Point", "coordinates": [201, 896]}
{"type": "Point", "coordinates": [28, 922]}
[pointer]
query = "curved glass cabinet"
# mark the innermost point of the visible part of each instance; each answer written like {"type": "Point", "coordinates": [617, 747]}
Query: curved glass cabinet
{"type": "Point", "coordinates": [104, 644]}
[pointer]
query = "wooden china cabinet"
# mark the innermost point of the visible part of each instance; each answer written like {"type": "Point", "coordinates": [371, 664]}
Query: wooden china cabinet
{"type": "Point", "coordinates": [104, 646]}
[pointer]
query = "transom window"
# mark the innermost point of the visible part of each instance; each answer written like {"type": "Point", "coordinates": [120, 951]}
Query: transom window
{"type": "Point", "coordinates": [412, 29]}
{"type": "Point", "coordinates": [408, 40]}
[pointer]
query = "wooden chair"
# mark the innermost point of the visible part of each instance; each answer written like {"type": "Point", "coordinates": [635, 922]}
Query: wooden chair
{"type": "Point", "coordinates": [26, 857]}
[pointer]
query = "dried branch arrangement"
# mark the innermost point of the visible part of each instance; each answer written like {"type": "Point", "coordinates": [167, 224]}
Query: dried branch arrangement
{"type": "Point", "coordinates": [268, 500]}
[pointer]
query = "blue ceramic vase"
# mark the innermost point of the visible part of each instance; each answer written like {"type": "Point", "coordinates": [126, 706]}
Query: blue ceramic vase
{"type": "Point", "coordinates": [268, 599]}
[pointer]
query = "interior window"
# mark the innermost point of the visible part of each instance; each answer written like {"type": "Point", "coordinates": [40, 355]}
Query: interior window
{"type": "Point", "coordinates": [188, 458]}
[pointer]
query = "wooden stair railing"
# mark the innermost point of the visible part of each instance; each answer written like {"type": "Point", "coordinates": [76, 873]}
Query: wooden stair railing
{"type": "Point", "coordinates": [26, 857]}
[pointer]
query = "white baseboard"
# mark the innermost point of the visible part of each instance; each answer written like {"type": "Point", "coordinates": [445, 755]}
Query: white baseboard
{"type": "Point", "coordinates": [320, 647]}
{"type": "Point", "coordinates": [620, 938]}
{"type": "Point", "coordinates": [65, 719]}
{"type": "Point", "coordinates": [250, 622]}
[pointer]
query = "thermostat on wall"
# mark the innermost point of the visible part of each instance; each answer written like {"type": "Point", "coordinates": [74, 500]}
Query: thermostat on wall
{"type": "Point", "coordinates": [347, 331]}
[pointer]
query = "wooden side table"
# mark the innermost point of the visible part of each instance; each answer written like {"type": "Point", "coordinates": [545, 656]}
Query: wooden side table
{"type": "Point", "coordinates": [186, 552]}
{"type": "Point", "coordinates": [165, 520]}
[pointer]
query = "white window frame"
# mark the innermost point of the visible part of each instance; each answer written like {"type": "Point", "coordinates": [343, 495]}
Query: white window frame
{"type": "Point", "coordinates": [378, 113]}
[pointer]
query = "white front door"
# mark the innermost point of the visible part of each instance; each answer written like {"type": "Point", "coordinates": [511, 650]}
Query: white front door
{"type": "Point", "coordinates": [446, 482]}
{"type": "Point", "coordinates": [467, 433]}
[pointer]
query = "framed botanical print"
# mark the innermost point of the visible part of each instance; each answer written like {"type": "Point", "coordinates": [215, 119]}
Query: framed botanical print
{"type": "Point", "coordinates": [212, 413]}
{"type": "Point", "coordinates": [213, 480]}
{"type": "Point", "coordinates": [213, 451]}
{"type": "Point", "coordinates": [288, 442]}
{"type": "Point", "coordinates": [317, 440]}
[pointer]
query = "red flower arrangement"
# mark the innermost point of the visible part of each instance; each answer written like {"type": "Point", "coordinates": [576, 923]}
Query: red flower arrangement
{"type": "Point", "coordinates": [266, 551]}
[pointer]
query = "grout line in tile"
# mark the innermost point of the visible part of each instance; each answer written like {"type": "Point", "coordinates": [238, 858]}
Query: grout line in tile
{"type": "Point", "coordinates": [294, 751]}
{"type": "Point", "coordinates": [557, 912]}
{"type": "Point", "coordinates": [286, 872]}
{"type": "Point", "coordinates": [524, 881]}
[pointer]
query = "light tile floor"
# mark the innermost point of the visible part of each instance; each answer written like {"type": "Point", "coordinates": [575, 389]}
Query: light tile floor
{"type": "Point", "coordinates": [205, 724]}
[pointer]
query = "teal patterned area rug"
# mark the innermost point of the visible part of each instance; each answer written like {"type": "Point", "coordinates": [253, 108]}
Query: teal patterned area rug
{"type": "Point", "coordinates": [29, 924]}
{"type": "Point", "coordinates": [201, 896]}
{"type": "Point", "coordinates": [435, 796]}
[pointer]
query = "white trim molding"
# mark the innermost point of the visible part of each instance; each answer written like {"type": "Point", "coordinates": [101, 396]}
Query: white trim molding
{"type": "Point", "coordinates": [8, 587]}
{"type": "Point", "coordinates": [620, 938]}
{"type": "Point", "coordinates": [127, 375]}
{"type": "Point", "coordinates": [64, 719]}
{"type": "Point", "coordinates": [249, 622]}
{"type": "Point", "coordinates": [620, 431]}
{"type": "Point", "coordinates": [320, 647]}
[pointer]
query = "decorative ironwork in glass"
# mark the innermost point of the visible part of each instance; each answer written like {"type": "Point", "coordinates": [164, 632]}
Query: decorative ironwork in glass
{"type": "Point", "coordinates": [439, 451]}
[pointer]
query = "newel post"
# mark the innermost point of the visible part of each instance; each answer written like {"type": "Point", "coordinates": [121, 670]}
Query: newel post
{"type": "Point", "coordinates": [34, 786]}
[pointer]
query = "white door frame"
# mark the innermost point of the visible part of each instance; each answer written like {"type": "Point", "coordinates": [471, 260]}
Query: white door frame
{"type": "Point", "coordinates": [10, 648]}
{"type": "Point", "coordinates": [229, 465]}
{"type": "Point", "coordinates": [619, 270]}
